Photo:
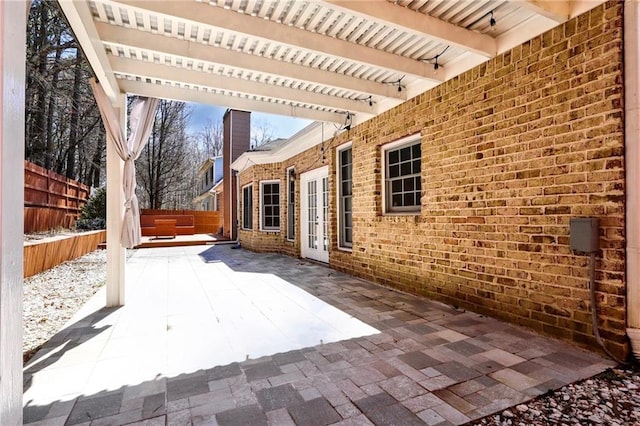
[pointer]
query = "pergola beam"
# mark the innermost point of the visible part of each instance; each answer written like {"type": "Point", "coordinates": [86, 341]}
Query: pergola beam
{"type": "Point", "coordinates": [229, 20]}
{"type": "Point", "coordinates": [235, 102]}
{"type": "Point", "coordinates": [421, 24]}
{"type": "Point", "coordinates": [556, 10]}
{"type": "Point", "coordinates": [127, 37]}
{"type": "Point", "coordinates": [186, 76]}
{"type": "Point", "coordinates": [80, 19]}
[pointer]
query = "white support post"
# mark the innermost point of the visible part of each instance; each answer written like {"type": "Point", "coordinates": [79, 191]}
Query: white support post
{"type": "Point", "coordinates": [12, 85]}
{"type": "Point", "coordinates": [115, 211]}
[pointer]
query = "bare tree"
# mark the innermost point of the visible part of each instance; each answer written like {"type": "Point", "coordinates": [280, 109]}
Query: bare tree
{"type": "Point", "coordinates": [62, 121]}
{"type": "Point", "coordinates": [163, 168]}
{"type": "Point", "coordinates": [262, 131]}
{"type": "Point", "coordinates": [210, 138]}
{"type": "Point", "coordinates": [192, 164]}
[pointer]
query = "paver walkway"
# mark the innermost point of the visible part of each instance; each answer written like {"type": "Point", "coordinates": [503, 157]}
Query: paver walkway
{"type": "Point", "coordinates": [211, 335]}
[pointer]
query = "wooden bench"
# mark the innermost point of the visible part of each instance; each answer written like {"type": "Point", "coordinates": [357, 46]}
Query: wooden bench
{"type": "Point", "coordinates": [165, 228]}
{"type": "Point", "coordinates": [184, 224]}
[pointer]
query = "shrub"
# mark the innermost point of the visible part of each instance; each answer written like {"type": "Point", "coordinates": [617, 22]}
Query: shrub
{"type": "Point", "coordinates": [91, 224]}
{"type": "Point", "coordinates": [94, 212]}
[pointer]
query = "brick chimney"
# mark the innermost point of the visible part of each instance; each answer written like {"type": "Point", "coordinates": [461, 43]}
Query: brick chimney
{"type": "Point", "coordinates": [237, 136]}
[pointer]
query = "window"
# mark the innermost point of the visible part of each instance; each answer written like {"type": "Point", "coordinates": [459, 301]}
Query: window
{"type": "Point", "coordinates": [291, 204]}
{"type": "Point", "coordinates": [270, 210]}
{"type": "Point", "coordinates": [247, 207]}
{"type": "Point", "coordinates": [402, 177]}
{"type": "Point", "coordinates": [345, 192]}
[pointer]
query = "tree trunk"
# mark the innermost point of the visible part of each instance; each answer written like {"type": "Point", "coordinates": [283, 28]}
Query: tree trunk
{"type": "Point", "coordinates": [96, 166]}
{"type": "Point", "coordinates": [73, 126]}
{"type": "Point", "coordinates": [36, 132]}
{"type": "Point", "coordinates": [159, 158]}
{"type": "Point", "coordinates": [48, 154]}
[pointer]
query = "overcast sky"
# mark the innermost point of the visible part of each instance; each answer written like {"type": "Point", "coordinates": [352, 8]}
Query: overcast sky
{"type": "Point", "coordinates": [283, 126]}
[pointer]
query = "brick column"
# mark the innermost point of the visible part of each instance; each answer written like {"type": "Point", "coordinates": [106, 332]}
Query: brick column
{"type": "Point", "coordinates": [632, 160]}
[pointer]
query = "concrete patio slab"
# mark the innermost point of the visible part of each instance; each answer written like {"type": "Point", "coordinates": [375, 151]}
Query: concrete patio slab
{"type": "Point", "coordinates": [212, 335]}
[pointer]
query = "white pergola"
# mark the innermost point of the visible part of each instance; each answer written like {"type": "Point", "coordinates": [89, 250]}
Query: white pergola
{"type": "Point", "coordinates": [317, 60]}
{"type": "Point", "coordinates": [329, 61]}
{"type": "Point", "coordinates": [337, 61]}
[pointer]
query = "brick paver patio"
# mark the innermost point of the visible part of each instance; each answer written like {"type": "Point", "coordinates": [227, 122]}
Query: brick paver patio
{"type": "Point", "coordinates": [211, 335]}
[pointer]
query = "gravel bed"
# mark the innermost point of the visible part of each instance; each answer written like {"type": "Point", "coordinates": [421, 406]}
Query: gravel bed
{"type": "Point", "coordinates": [52, 297]}
{"type": "Point", "coordinates": [611, 398]}
{"type": "Point", "coordinates": [36, 236]}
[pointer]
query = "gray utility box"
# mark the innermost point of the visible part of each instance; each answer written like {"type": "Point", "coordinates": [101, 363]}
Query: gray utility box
{"type": "Point", "coordinates": [583, 234]}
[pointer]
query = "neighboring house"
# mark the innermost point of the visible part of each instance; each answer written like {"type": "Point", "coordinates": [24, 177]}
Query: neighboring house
{"type": "Point", "coordinates": [209, 176]}
{"type": "Point", "coordinates": [269, 145]}
{"type": "Point", "coordinates": [465, 193]}
{"type": "Point", "coordinates": [218, 193]}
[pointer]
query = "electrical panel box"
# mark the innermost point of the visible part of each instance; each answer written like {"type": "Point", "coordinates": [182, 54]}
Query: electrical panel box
{"type": "Point", "coordinates": [583, 234]}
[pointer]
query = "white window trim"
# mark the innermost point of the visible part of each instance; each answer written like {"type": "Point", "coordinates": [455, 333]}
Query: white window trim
{"type": "Point", "coordinates": [338, 183]}
{"type": "Point", "coordinates": [289, 169]}
{"type": "Point", "coordinates": [408, 140]}
{"type": "Point", "coordinates": [243, 207]}
{"type": "Point", "coordinates": [262, 183]}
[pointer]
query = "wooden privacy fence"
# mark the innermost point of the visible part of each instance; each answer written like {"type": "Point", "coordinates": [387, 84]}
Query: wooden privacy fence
{"type": "Point", "coordinates": [205, 222]}
{"type": "Point", "coordinates": [50, 199]}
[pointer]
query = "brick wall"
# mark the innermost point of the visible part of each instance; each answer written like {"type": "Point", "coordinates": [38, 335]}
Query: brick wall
{"type": "Point", "coordinates": [266, 241]}
{"type": "Point", "coordinates": [511, 150]}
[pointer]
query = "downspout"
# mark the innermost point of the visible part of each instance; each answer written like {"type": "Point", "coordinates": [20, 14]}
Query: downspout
{"type": "Point", "coordinates": [632, 168]}
{"type": "Point", "coordinates": [237, 209]}
{"type": "Point", "coordinates": [230, 214]}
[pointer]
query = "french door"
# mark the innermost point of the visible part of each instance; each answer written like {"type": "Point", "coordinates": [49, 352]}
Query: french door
{"type": "Point", "coordinates": [314, 212]}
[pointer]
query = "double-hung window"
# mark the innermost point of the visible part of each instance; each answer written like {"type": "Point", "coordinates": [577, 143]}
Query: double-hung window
{"type": "Point", "coordinates": [247, 207]}
{"type": "Point", "coordinates": [270, 205]}
{"type": "Point", "coordinates": [402, 174]}
{"type": "Point", "coordinates": [345, 195]}
{"type": "Point", "coordinates": [291, 204]}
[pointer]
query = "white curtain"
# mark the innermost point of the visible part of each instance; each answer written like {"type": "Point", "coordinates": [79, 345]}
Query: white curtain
{"type": "Point", "coordinates": [141, 122]}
